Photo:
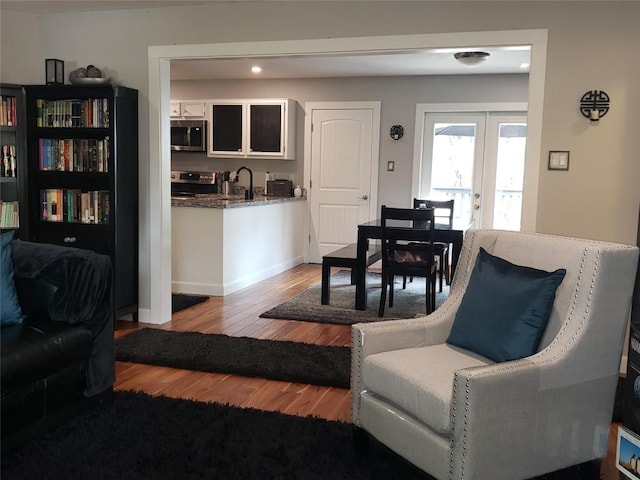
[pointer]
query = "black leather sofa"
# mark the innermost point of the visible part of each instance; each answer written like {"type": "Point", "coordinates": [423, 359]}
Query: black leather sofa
{"type": "Point", "coordinates": [61, 357]}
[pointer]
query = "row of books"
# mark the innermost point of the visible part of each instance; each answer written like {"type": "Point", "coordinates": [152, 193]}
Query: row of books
{"type": "Point", "coordinates": [74, 155]}
{"type": "Point", "coordinates": [89, 113]}
{"type": "Point", "coordinates": [8, 165]}
{"type": "Point", "coordinates": [8, 111]}
{"type": "Point", "coordinates": [9, 214]}
{"type": "Point", "coordinates": [74, 205]}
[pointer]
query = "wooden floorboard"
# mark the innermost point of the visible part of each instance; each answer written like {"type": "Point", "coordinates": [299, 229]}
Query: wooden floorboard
{"type": "Point", "coordinates": [238, 314]}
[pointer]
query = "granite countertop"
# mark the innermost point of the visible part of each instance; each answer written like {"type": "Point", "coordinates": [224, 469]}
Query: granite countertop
{"type": "Point", "coordinates": [231, 201]}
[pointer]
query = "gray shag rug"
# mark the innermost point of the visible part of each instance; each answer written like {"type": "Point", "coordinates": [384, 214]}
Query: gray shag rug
{"type": "Point", "coordinates": [252, 357]}
{"type": "Point", "coordinates": [408, 303]}
{"type": "Point", "coordinates": [180, 301]}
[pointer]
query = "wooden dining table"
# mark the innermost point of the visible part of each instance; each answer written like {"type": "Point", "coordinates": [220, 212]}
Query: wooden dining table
{"type": "Point", "coordinates": [373, 230]}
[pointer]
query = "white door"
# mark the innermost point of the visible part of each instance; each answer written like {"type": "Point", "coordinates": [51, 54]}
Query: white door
{"type": "Point", "coordinates": [343, 173]}
{"type": "Point", "coordinates": [478, 160]}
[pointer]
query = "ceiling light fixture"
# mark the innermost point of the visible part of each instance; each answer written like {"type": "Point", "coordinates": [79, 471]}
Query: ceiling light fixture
{"type": "Point", "coordinates": [256, 69]}
{"type": "Point", "coordinates": [471, 59]}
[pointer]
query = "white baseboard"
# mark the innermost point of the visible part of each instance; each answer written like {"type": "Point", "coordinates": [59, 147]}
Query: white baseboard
{"type": "Point", "coordinates": [220, 290]}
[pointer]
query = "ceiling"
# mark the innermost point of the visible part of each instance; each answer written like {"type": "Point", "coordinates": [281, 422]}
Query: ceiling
{"type": "Point", "coordinates": [417, 62]}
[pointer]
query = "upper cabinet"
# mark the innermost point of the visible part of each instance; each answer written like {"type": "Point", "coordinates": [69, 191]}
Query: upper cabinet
{"type": "Point", "coordinates": [187, 109]}
{"type": "Point", "coordinates": [263, 128]}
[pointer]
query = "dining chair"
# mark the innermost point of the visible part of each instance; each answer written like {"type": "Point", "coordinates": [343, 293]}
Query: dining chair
{"type": "Point", "coordinates": [407, 249]}
{"type": "Point", "coordinates": [443, 213]}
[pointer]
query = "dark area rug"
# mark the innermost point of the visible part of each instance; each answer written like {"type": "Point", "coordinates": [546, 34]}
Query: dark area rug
{"type": "Point", "coordinates": [306, 306]}
{"type": "Point", "coordinates": [276, 360]}
{"type": "Point", "coordinates": [180, 301]}
{"type": "Point", "coordinates": [157, 438]}
{"type": "Point", "coordinates": [140, 437]}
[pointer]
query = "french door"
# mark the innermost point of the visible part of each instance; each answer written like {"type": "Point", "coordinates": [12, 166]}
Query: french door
{"type": "Point", "coordinates": [477, 159]}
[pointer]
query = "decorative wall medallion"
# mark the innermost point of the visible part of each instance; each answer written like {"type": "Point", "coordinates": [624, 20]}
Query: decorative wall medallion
{"type": "Point", "coordinates": [396, 132]}
{"type": "Point", "coordinates": [592, 102]}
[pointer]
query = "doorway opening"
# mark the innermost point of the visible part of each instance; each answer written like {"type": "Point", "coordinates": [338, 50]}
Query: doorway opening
{"type": "Point", "coordinates": [155, 255]}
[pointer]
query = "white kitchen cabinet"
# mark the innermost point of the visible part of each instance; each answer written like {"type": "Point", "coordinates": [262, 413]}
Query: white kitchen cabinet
{"type": "Point", "coordinates": [192, 109]}
{"type": "Point", "coordinates": [260, 128]}
{"type": "Point", "coordinates": [223, 257]}
{"type": "Point", "coordinates": [174, 109]}
{"type": "Point", "coordinates": [187, 109]}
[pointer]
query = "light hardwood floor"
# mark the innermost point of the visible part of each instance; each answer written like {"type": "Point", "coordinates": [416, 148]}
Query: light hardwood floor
{"type": "Point", "coordinates": [238, 314]}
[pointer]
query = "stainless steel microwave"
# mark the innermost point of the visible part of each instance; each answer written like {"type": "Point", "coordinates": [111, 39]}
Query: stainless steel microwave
{"type": "Point", "coordinates": [189, 135]}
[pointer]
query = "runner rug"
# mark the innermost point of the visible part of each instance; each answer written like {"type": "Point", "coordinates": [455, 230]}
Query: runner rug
{"type": "Point", "coordinates": [276, 360]}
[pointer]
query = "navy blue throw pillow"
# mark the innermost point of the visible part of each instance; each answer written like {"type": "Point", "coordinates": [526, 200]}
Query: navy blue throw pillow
{"type": "Point", "coordinates": [10, 312]}
{"type": "Point", "coordinates": [505, 310]}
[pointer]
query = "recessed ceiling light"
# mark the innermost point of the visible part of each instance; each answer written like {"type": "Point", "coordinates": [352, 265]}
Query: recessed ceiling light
{"type": "Point", "coordinates": [471, 58]}
{"type": "Point", "coordinates": [525, 65]}
{"type": "Point", "coordinates": [256, 69]}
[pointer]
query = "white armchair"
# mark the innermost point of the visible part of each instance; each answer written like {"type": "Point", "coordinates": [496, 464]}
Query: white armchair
{"type": "Point", "coordinates": [459, 415]}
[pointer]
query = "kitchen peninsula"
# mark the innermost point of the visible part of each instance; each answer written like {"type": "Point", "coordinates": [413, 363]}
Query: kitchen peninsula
{"type": "Point", "coordinates": [221, 244]}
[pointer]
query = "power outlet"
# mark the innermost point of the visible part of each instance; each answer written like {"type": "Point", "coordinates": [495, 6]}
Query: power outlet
{"type": "Point", "coordinates": [391, 166]}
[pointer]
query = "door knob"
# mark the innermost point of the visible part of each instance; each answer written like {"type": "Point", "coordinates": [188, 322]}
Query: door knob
{"type": "Point", "coordinates": [365, 197]}
{"type": "Point", "coordinates": [476, 207]}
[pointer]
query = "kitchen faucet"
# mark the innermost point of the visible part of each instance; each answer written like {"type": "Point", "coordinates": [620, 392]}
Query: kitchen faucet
{"type": "Point", "coordinates": [248, 194]}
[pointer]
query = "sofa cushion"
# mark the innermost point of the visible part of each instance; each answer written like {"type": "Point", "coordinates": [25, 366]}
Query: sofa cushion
{"type": "Point", "coordinates": [39, 347]}
{"type": "Point", "coordinates": [10, 312]}
{"type": "Point", "coordinates": [419, 380]}
{"type": "Point", "coordinates": [505, 308]}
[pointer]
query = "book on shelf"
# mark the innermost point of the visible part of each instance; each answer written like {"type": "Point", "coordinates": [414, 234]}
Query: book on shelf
{"type": "Point", "coordinates": [8, 161]}
{"type": "Point", "coordinates": [8, 111]}
{"type": "Point", "coordinates": [9, 214]}
{"type": "Point", "coordinates": [74, 155]}
{"type": "Point", "coordinates": [75, 205]}
{"type": "Point", "coordinates": [72, 113]}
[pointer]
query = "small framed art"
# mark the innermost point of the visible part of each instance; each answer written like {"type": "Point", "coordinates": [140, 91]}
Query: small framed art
{"type": "Point", "coordinates": [559, 160]}
{"type": "Point", "coordinates": [628, 454]}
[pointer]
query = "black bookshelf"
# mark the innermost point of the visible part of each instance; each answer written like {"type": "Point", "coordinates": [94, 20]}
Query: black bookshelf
{"type": "Point", "coordinates": [82, 145]}
{"type": "Point", "coordinates": [13, 155]}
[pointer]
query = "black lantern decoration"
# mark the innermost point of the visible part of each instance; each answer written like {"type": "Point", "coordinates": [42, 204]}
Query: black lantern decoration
{"type": "Point", "coordinates": [396, 132]}
{"type": "Point", "coordinates": [594, 105]}
{"type": "Point", "coordinates": [54, 69]}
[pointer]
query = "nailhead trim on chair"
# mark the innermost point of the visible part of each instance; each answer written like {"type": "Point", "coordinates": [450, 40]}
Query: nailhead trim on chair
{"type": "Point", "coordinates": [454, 407]}
{"type": "Point", "coordinates": [357, 340]}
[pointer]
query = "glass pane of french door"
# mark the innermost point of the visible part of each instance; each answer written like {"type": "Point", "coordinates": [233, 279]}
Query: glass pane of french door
{"type": "Point", "coordinates": [509, 178]}
{"type": "Point", "coordinates": [452, 162]}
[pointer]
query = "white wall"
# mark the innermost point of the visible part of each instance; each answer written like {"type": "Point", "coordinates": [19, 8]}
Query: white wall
{"type": "Point", "coordinates": [399, 96]}
{"type": "Point", "coordinates": [590, 45]}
